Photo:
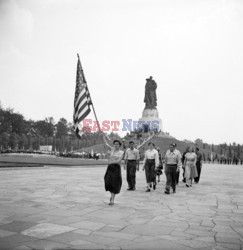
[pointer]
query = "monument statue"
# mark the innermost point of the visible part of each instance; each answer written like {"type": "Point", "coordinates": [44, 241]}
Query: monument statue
{"type": "Point", "coordinates": [150, 98]}
{"type": "Point", "coordinates": [150, 117]}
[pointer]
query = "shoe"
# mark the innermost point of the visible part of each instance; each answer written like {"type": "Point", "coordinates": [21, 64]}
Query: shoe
{"type": "Point", "coordinates": [167, 192]}
{"type": "Point", "coordinates": [187, 185]}
{"type": "Point", "coordinates": [174, 191]}
{"type": "Point", "coordinates": [133, 189]}
{"type": "Point", "coordinates": [129, 189]}
{"type": "Point", "coordinates": [148, 190]}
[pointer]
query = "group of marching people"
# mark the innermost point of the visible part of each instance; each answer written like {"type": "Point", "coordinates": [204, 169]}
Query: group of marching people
{"type": "Point", "coordinates": [152, 165]}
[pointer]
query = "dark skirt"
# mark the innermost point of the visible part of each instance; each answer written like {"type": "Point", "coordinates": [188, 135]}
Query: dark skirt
{"type": "Point", "coordinates": [113, 178]}
{"type": "Point", "coordinates": [150, 170]}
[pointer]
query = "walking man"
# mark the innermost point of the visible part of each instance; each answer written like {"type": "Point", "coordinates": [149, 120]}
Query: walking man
{"type": "Point", "coordinates": [183, 165]}
{"type": "Point", "coordinates": [198, 165]}
{"type": "Point", "coordinates": [177, 172]}
{"type": "Point", "coordinates": [131, 165]}
{"type": "Point", "coordinates": [172, 165]}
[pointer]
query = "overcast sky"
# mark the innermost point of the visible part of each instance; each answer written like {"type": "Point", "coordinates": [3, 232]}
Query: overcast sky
{"type": "Point", "coordinates": [193, 50]}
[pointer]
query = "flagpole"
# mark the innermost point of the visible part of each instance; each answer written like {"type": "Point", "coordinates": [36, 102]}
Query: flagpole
{"type": "Point", "coordinates": [91, 100]}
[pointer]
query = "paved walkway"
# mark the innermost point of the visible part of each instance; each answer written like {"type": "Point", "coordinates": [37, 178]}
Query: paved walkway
{"type": "Point", "coordinates": [66, 208]}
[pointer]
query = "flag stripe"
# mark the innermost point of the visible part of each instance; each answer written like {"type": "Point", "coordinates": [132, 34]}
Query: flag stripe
{"type": "Point", "coordinates": [81, 94]}
{"type": "Point", "coordinates": [81, 112]}
{"type": "Point", "coordinates": [84, 114]}
{"type": "Point", "coordinates": [81, 105]}
{"type": "Point", "coordinates": [82, 100]}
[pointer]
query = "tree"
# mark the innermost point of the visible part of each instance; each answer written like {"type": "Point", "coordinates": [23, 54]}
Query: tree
{"type": "Point", "coordinates": [11, 122]}
{"type": "Point", "coordinates": [199, 142]}
{"type": "Point", "coordinates": [209, 158]}
{"type": "Point", "coordinates": [5, 121]}
{"type": "Point", "coordinates": [62, 128]}
{"type": "Point", "coordinates": [238, 151]}
{"type": "Point", "coordinates": [45, 128]}
{"type": "Point", "coordinates": [221, 149]}
{"type": "Point", "coordinates": [230, 151]}
{"type": "Point", "coordinates": [17, 123]}
{"type": "Point", "coordinates": [5, 140]}
{"type": "Point", "coordinates": [50, 126]}
{"type": "Point", "coordinates": [13, 140]}
{"type": "Point", "coordinates": [23, 141]}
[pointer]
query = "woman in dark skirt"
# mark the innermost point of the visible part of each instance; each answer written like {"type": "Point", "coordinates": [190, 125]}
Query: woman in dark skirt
{"type": "Point", "coordinates": [113, 178]}
{"type": "Point", "coordinates": [151, 161]}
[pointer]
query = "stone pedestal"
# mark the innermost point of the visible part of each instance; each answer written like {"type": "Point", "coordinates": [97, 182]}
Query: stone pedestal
{"type": "Point", "coordinates": [150, 120]}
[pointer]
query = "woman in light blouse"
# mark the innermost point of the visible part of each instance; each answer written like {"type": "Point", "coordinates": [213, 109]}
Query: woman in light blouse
{"type": "Point", "coordinates": [113, 178]}
{"type": "Point", "coordinates": [151, 161]}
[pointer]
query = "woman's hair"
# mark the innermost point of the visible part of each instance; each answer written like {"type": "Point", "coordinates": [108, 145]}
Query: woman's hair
{"type": "Point", "coordinates": [151, 143]}
{"type": "Point", "coordinates": [117, 141]}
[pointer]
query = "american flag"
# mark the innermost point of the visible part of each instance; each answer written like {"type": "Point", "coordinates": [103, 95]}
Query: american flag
{"type": "Point", "coordinates": [82, 100]}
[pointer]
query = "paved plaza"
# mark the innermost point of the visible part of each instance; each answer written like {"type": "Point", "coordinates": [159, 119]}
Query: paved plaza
{"type": "Point", "coordinates": [56, 207]}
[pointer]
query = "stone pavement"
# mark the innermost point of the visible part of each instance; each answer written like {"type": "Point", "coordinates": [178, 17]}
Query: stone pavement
{"type": "Point", "coordinates": [67, 208]}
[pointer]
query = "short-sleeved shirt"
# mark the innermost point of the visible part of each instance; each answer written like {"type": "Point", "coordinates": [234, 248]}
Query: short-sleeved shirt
{"type": "Point", "coordinates": [172, 158]}
{"type": "Point", "coordinates": [152, 155]}
{"type": "Point", "coordinates": [132, 154]}
{"type": "Point", "coordinates": [115, 155]}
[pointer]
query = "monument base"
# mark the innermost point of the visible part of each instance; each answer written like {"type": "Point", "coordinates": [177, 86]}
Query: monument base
{"type": "Point", "coordinates": [150, 120]}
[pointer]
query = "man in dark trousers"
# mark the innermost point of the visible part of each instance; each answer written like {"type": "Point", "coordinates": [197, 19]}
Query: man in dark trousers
{"type": "Point", "coordinates": [198, 165]}
{"type": "Point", "coordinates": [177, 172]}
{"type": "Point", "coordinates": [172, 165]}
{"type": "Point", "coordinates": [131, 165]}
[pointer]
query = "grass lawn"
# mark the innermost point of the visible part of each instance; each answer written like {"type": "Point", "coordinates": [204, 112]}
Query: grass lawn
{"type": "Point", "coordinates": [29, 161]}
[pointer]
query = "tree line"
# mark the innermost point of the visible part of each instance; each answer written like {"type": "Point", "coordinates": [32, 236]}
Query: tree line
{"type": "Point", "coordinates": [231, 152]}
{"type": "Point", "coordinates": [17, 133]}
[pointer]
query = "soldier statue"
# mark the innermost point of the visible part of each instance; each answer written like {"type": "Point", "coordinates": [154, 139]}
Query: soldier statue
{"type": "Point", "coordinates": [150, 98]}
